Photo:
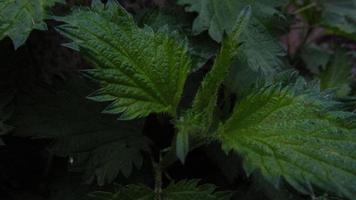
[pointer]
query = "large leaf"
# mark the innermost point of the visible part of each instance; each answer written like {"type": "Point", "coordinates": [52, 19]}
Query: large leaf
{"type": "Point", "coordinates": [200, 117]}
{"type": "Point", "coordinates": [183, 190]}
{"type": "Point", "coordinates": [260, 49]}
{"type": "Point", "coordinates": [19, 17]}
{"type": "Point", "coordinates": [301, 137]}
{"type": "Point", "coordinates": [96, 144]}
{"type": "Point", "coordinates": [142, 72]}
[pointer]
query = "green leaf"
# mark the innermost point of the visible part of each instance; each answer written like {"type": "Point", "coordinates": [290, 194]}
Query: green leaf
{"type": "Point", "coordinates": [177, 24]}
{"type": "Point", "coordinates": [182, 145]}
{"type": "Point", "coordinates": [19, 17]}
{"type": "Point", "coordinates": [183, 190]}
{"type": "Point", "coordinates": [337, 74]}
{"type": "Point", "coordinates": [340, 15]}
{"type": "Point", "coordinates": [96, 144]}
{"type": "Point", "coordinates": [302, 137]}
{"type": "Point", "coordinates": [260, 49]}
{"type": "Point", "coordinates": [200, 117]}
{"type": "Point", "coordinates": [140, 71]}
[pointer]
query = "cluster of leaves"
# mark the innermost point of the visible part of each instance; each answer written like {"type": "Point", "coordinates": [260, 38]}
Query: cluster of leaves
{"type": "Point", "coordinates": [294, 129]}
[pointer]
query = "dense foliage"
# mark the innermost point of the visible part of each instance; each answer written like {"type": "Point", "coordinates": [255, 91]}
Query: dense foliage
{"type": "Point", "coordinates": [199, 99]}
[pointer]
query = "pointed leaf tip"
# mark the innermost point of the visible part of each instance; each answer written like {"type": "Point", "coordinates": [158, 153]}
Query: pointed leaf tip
{"type": "Point", "coordinates": [182, 145]}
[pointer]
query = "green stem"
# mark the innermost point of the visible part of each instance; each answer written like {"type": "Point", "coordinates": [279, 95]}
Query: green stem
{"type": "Point", "coordinates": [304, 8]}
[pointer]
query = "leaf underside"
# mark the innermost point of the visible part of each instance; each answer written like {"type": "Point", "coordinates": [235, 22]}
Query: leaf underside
{"type": "Point", "coordinates": [299, 137]}
{"type": "Point", "coordinates": [141, 72]}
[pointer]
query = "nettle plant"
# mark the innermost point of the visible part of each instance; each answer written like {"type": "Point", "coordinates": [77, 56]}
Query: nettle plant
{"type": "Point", "coordinates": [286, 127]}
